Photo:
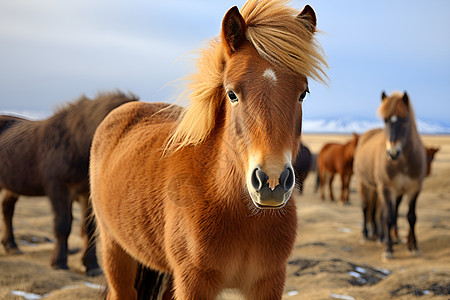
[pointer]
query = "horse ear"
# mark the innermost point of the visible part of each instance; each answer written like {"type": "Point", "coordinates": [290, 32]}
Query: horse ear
{"type": "Point", "coordinates": [233, 29]}
{"type": "Point", "coordinates": [383, 96]}
{"type": "Point", "coordinates": [405, 98]}
{"type": "Point", "coordinates": [308, 18]}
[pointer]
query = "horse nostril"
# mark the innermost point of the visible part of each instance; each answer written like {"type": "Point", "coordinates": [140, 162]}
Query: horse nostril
{"type": "Point", "coordinates": [259, 178]}
{"type": "Point", "coordinates": [393, 154]}
{"type": "Point", "coordinates": [287, 179]}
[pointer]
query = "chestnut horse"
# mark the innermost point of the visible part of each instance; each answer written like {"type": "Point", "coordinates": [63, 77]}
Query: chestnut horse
{"type": "Point", "coordinates": [51, 157]}
{"type": "Point", "coordinates": [205, 193]}
{"type": "Point", "coordinates": [391, 163]}
{"type": "Point", "coordinates": [336, 158]}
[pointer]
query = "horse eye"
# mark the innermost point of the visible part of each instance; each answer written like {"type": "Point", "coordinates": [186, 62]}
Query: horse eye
{"type": "Point", "coordinates": [232, 96]}
{"type": "Point", "coordinates": [303, 96]}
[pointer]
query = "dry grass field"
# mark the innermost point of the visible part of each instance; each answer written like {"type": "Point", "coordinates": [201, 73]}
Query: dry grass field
{"type": "Point", "coordinates": [329, 261]}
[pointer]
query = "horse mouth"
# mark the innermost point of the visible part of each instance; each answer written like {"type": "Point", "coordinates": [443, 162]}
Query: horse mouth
{"type": "Point", "coordinates": [269, 206]}
{"type": "Point", "coordinates": [267, 198]}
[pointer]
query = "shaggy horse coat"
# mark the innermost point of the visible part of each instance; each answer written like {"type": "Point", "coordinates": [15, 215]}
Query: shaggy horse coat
{"type": "Point", "coordinates": [205, 193]}
{"type": "Point", "coordinates": [51, 158]}
{"type": "Point", "coordinates": [391, 163]}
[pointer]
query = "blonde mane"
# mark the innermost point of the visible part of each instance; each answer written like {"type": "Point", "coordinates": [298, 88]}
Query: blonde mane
{"type": "Point", "coordinates": [275, 31]}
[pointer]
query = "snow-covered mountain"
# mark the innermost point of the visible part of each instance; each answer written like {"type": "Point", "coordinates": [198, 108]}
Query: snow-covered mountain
{"type": "Point", "coordinates": [360, 126]}
{"type": "Point", "coordinates": [325, 125]}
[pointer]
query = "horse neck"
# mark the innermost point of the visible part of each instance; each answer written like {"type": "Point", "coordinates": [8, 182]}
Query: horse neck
{"type": "Point", "coordinates": [221, 166]}
{"type": "Point", "coordinates": [230, 171]}
{"type": "Point", "coordinates": [349, 150]}
{"type": "Point", "coordinates": [414, 138]}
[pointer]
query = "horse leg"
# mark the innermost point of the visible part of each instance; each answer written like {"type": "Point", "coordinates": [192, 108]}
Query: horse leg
{"type": "Point", "coordinates": [89, 256]}
{"type": "Point", "coordinates": [316, 187]}
{"type": "Point", "coordinates": [322, 176]}
{"type": "Point", "coordinates": [8, 205]}
{"type": "Point", "coordinates": [62, 208]}
{"type": "Point", "coordinates": [388, 222]}
{"type": "Point", "coordinates": [120, 269]}
{"type": "Point", "coordinates": [330, 185]}
{"type": "Point", "coordinates": [365, 208]}
{"type": "Point", "coordinates": [412, 242]}
{"type": "Point", "coordinates": [271, 286]}
{"type": "Point", "coordinates": [191, 283]}
{"type": "Point", "coordinates": [345, 180]}
{"type": "Point", "coordinates": [394, 231]}
{"type": "Point", "coordinates": [375, 208]}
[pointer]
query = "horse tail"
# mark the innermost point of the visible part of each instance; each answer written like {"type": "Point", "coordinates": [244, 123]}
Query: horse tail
{"type": "Point", "coordinates": [152, 285]}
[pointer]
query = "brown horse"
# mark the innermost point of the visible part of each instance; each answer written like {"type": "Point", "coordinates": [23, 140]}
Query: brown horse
{"type": "Point", "coordinates": [391, 163]}
{"type": "Point", "coordinates": [51, 157]}
{"type": "Point", "coordinates": [206, 193]}
{"type": "Point", "coordinates": [336, 158]}
{"type": "Point", "coordinates": [302, 165]}
{"type": "Point", "coordinates": [431, 152]}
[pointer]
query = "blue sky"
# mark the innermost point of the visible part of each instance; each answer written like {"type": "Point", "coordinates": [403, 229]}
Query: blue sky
{"type": "Point", "coordinates": [53, 51]}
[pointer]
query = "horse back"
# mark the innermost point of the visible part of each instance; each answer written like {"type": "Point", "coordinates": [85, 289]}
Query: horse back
{"type": "Point", "coordinates": [129, 119]}
{"type": "Point", "coordinates": [369, 156]}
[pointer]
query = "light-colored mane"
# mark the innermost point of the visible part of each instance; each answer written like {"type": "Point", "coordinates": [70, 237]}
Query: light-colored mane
{"type": "Point", "coordinates": [275, 31]}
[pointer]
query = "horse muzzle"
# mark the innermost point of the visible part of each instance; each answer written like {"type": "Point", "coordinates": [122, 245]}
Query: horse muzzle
{"type": "Point", "coordinates": [271, 193]}
{"type": "Point", "coordinates": [394, 153]}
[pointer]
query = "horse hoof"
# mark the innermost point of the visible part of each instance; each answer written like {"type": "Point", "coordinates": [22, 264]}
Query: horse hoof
{"type": "Point", "coordinates": [73, 251]}
{"type": "Point", "coordinates": [386, 256]}
{"type": "Point", "coordinates": [415, 253]}
{"type": "Point", "coordinates": [395, 241]}
{"type": "Point", "coordinates": [94, 272]}
{"type": "Point", "coordinates": [60, 267]}
{"type": "Point", "coordinates": [13, 251]}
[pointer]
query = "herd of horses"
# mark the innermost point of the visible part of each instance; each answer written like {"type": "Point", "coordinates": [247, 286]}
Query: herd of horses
{"type": "Point", "coordinates": [204, 194]}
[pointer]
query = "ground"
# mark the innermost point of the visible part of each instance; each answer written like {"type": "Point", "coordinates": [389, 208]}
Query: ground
{"type": "Point", "coordinates": [330, 260]}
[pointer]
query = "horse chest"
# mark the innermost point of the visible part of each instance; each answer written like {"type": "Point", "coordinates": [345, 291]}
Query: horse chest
{"type": "Point", "coordinates": [404, 183]}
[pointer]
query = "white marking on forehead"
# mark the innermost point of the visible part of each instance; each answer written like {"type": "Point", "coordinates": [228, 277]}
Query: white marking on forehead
{"type": "Point", "coordinates": [270, 74]}
{"type": "Point", "coordinates": [394, 119]}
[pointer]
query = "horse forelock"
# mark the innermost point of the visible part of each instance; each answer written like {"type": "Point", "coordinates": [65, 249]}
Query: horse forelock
{"type": "Point", "coordinates": [394, 106]}
{"type": "Point", "coordinates": [278, 36]}
{"type": "Point", "coordinates": [274, 29]}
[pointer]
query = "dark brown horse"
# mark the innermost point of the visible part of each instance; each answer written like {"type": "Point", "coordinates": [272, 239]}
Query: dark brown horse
{"type": "Point", "coordinates": [302, 165]}
{"type": "Point", "coordinates": [51, 157]}
{"type": "Point", "coordinates": [391, 163]}
{"type": "Point", "coordinates": [205, 193]}
{"type": "Point", "coordinates": [336, 158]}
